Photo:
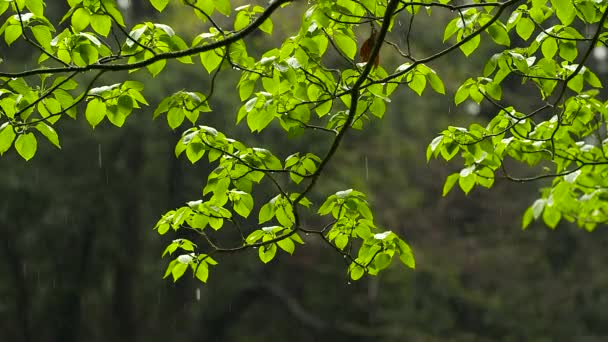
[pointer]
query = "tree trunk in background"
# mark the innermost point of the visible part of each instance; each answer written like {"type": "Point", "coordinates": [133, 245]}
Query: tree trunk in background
{"type": "Point", "coordinates": [71, 288]}
{"type": "Point", "coordinates": [127, 261]}
{"type": "Point", "coordinates": [14, 263]}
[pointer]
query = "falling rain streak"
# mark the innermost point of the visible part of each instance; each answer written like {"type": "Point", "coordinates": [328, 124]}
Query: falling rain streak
{"type": "Point", "coordinates": [99, 161]}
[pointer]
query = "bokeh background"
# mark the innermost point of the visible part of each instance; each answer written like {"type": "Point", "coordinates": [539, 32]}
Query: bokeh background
{"type": "Point", "coordinates": [79, 260]}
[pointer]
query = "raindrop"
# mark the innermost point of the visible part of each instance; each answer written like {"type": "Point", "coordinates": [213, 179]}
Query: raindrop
{"type": "Point", "coordinates": [198, 294]}
{"type": "Point", "coordinates": [472, 108]}
{"type": "Point", "coordinates": [366, 169]}
{"type": "Point", "coordinates": [600, 53]}
{"type": "Point", "coordinates": [348, 283]}
{"type": "Point", "coordinates": [124, 4]}
{"type": "Point", "coordinates": [99, 155]}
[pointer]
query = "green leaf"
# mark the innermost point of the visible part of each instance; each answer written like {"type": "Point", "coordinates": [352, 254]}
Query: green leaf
{"type": "Point", "coordinates": [159, 4]}
{"type": "Point", "coordinates": [327, 206]}
{"type": "Point", "coordinates": [494, 90]}
{"type": "Point", "coordinates": [435, 82]}
{"type": "Point", "coordinates": [449, 183]}
{"type": "Point", "coordinates": [257, 120]}
{"type": "Point", "coordinates": [551, 216]}
{"type": "Point", "coordinates": [195, 151]}
{"type": "Point", "coordinates": [514, 18]}
{"type": "Point", "coordinates": [378, 107]}
{"type": "Point", "coordinates": [295, 237]}
{"type": "Point", "coordinates": [85, 54]}
{"type": "Point", "coordinates": [266, 213]}
{"type": "Point", "coordinates": [499, 35]}
{"type": "Point", "coordinates": [80, 19]}
{"type": "Point", "coordinates": [246, 89]}
{"type": "Point", "coordinates": [199, 221]}
{"type": "Point", "coordinates": [216, 223]}
{"type": "Point", "coordinates": [462, 94]}
{"type": "Point", "coordinates": [211, 59]}
{"type": "Point", "coordinates": [36, 6]}
{"type": "Point", "coordinates": [115, 117]}
{"type": "Point", "coordinates": [49, 132]}
{"type": "Point", "coordinates": [223, 6]}
{"type": "Point", "coordinates": [284, 216]}
{"type": "Point", "coordinates": [267, 253]}
{"type": "Point", "coordinates": [549, 48]}
{"type": "Point", "coordinates": [467, 179]}
{"type": "Point", "coordinates": [405, 254]}
{"type": "Point", "coordinates": [11, 33]}
{"type": "Point", "coordinates": [418, 83]}
{"type": "Point", "coordinates": [346, 44]}
{"type": "Point", "coordinates": [95, 112]}
{"type": "Point", "coordinates": [592, 79]}
{"type": "Point", "coordinates": [7, 135]}
{"type": "Point", "coordinates": [26, 145]}
{"type": "Point", "coordinates": [576, 83]}
{"type": "Point", "coordinates": [267, 26]}
{"type": "Point", "coordinates": [244, 205]}
{"type": "Point", "coordinates": [565, 11]}
{"type": "Point", "coordinates": [254, 236]}
{"type": "Point", "coordinates": [112, 10]}
{"type": "Point", "coordinates": [202, 272]}
{"type": "Point", "coordinates": [102, 24]}
{"type": "Point", "coordinates": [287, 245]}
{"type": "Point", "coordinates": [381, 261]}
{"type": "Point", "coordinates": [156, 67]}
{"type": "Point", "coordinates": [432, 148]}
{"type": "Point", "coordinates": [470, 46]}
{"type": "Point", "coordinates": [527, 218]}
{"type": "Point", "coordinates": [170, 267]}
{"type": "Point", "coordinates": [175, 117]}
{"type": "Point", "coordinates": [525, 28]}
{"type": "Point", "coordinates": [241, 20]}
{"type": "Point", "coordinates": [450, 29]}
{"type": "Point", "coordinates": [587, 9]}
{"type": "Point", "coordinates": [341, 241]}
{"type": "Point", "coordinates": [568, 50]}
{"type": "Point", "coordinates": [43, 36]}
{"type": "Point", "coordinates": [178, 270]}
{"type": "Point", "coordinates": [356, 272]}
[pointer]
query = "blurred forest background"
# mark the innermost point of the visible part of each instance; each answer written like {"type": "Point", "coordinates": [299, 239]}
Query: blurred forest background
{"type": "Point", "coordinates": [80, 261]}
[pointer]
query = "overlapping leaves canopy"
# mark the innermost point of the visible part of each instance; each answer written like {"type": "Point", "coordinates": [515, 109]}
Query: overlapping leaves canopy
{"type": "Point", "coordinates": [545, 45]}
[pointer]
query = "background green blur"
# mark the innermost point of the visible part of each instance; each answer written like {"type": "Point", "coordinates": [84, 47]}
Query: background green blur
{"type": "Point", "coordinates": [79, 260]}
